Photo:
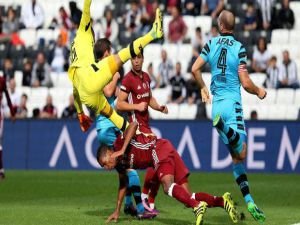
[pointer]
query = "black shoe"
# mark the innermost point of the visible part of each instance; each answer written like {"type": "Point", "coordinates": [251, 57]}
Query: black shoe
{"type": "Point", "coordinates": [130, 210]}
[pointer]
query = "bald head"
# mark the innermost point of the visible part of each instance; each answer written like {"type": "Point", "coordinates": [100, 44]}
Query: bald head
{"type": "Point", "coordinates": [226, 21]}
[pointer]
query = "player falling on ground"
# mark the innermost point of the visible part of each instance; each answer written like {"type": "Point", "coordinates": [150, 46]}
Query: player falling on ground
{"type": "Point", "coordinates": [135, 97]}
{"type": "Point", "coordinates": [89, 77]}
{"type": "Point", "coordinates": [228, 60]}
{"type": "Point", "coordinates": [3, 89]}
{"type": "Point", "coordinates": [171, 170]}
{"type": "Point", "coordinates": [107, 134]}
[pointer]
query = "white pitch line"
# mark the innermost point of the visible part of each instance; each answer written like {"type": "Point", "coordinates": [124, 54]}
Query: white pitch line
{"type": "Point", "coordinates": [296, 224]}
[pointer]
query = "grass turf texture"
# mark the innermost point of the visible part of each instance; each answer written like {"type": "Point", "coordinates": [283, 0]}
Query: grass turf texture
{"type": "Point", "coordinates": [87, 198]}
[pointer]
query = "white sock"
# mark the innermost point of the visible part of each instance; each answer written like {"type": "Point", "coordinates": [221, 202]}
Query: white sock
{"type": "Point", "coordinates": [144, 196]}
{"type": "Point", "coordinates": [193, 196]}
{"type": "Point", "coordinates": [152, 205]}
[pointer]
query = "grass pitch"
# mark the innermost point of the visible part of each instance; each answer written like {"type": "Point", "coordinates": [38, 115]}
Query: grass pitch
{"type": "Point", "coordinates": [88, 198]}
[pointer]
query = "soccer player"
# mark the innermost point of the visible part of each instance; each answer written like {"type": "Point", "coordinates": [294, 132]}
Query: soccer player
{"type": "Point", "coordinates": [107, 134]}
{"type": "Point", "coordinates": [89, 77]}
{"type": "Point", "coordinates": [171, 170]}
{"type": "Point", "coordinates": [227, 58]}
{"type": "Point", "coordinates": [135, 97]}
{"type": "Point", "coordinates": [3, 89]}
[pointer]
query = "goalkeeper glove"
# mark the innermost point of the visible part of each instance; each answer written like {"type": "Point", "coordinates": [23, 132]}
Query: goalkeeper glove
{"type": "Point", "coordinates": [85, 121]}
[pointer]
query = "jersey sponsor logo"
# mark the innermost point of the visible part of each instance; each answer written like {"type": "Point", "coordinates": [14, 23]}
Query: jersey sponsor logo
{"type": "Point", "coordinates": [225, 41]}
{"type": "Point", "coordinates": [144, 85]}
{"type": "Point", "coordinates": [145, 95]}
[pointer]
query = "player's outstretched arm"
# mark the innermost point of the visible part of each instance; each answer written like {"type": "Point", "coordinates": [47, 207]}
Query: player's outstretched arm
{"type": "Point", "coordinates": [248, 85]}
{"type": "Point", "coordinates": [196, 71]}
{"type": "Point", "coordinates": [84, 121]}
{"type": "Point", "coordinates": [128, 135]}
{"type": "Point", "coordinates": [121, 193]}
{"type": "Point", "coordinates": [77, 102]}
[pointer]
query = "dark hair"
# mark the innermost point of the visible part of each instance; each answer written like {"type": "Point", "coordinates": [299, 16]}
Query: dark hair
{"type": "Point", "coordinates": [102, 150]}
{"type": "Point", "coordinates": [101, 45]}
{"type": "Point", "coordinates": [273, 57]}
{"type": "Point", "coordinates": [25, 96]}
{"type": "Point", "coordinates": [36, 113]}
{"type": "Point", "coordinates": [264, 40]}
{"type": "Point", "coordinates": [198, 29]}
{"type": "Point", "coordinates": [107, 10]}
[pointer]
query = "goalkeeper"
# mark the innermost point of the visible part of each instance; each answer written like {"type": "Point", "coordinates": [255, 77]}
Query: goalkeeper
{"type": "Point", "coordinates": [89, 77]}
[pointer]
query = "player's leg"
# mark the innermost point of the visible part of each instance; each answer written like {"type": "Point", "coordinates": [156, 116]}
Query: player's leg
{"type": "Point", "coordinates": [136, 46]}
{"type": "Point", "coordinates": [225, 201]}
{"type": "Point", "coordinates": [96, 76]}
{"type": "Point", "coordinates": [152, 195]}
{"type": "Point", "coordinates": [98, 103]}
{"type": "Point", "coordinates": [166, 171]}
{"type": "Point", "coordinates": [231, 127]}
{"type": "Point", "coordinates": [134, 188]}
{"type": "Point", "coordinates": [114, 117]}
{"type": "Point", "coordinates": [105, 68]}
{"type": "Point", "coordinates": [150, 188]}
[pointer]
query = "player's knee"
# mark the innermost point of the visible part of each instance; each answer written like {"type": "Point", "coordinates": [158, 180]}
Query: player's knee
{"type": "Point", "coordinates": [166, 186]}
{"type": "Point", "coordinates": [242, 155]}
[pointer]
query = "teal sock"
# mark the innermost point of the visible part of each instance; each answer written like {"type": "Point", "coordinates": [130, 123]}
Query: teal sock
{"type": "Point", "coordinates": [135, 187]}
{"type": "Point", "coordinates": [240, 176]}
{"type": "Point", "coordinates": [128, 200]}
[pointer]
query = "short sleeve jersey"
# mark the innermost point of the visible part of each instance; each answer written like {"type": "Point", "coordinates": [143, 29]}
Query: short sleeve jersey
{"type": "Point", "coordinates": [226, 57]}
{"type": "Point", "coordinates": [138, 89]}
{"type": "Point", "coordinates": [136, 156]}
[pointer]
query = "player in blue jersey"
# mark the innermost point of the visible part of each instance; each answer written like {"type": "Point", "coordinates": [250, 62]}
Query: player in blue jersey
{"type": "Point", "coordinates": [227, 58]}
{"type": "Point", "coordinates": [107, 133]}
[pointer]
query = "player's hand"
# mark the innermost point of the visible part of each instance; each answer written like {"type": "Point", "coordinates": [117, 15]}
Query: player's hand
{"type": "Point", "coordinates": [261, 93]}
{"type": "Point", "coordinates": [205, 95]}
{"type": "Point", "coordinates": [113, 217]}
{"type": "Point", "coordinates": [142, 106]}
{"type": "Point", "coordinates": [164, 109]}
{"type": "Point", "coordinates": [85, 121]}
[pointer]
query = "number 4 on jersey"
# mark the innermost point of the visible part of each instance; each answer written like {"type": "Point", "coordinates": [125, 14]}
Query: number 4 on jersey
{"type": "Point", "coordinates": [222, 61]}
